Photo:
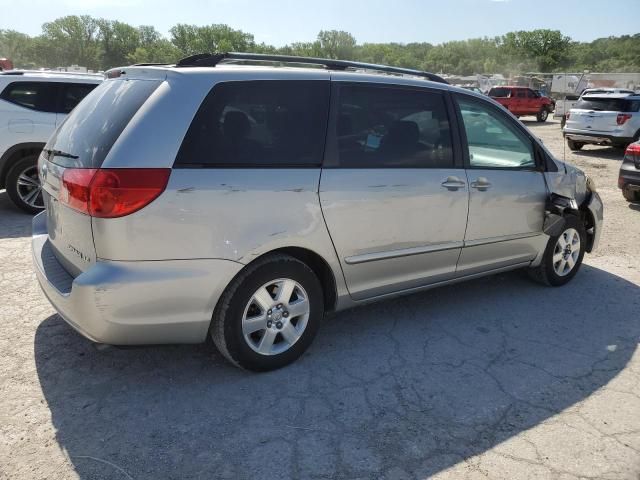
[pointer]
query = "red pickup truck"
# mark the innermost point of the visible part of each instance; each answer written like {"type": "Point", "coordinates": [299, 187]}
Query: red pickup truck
{"type": "Point", "coordinates": [523, 101]}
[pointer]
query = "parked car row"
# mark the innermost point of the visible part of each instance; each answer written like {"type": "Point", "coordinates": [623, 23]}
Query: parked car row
{"type": "Point", "coordinates": [241, 203]}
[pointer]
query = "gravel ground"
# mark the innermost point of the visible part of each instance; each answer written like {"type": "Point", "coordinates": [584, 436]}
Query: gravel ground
{"type": "Point", "coordinates": [496, 378]}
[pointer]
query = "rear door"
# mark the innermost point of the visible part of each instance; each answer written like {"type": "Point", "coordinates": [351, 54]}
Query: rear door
{"type": "Point", "coordinates": [533, 102]}
{"type": "Point", "coordinates": [29, 107]}
{"type": "Point", "coordinates": [77, 148]}
{"type": "Point", "coordinates": [393, 190]}
{"type": "Point", "coordinates": [507, 191]}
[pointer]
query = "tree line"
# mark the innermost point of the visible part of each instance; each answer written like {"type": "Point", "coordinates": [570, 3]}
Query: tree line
{"type": "Point", "coordinates": [99, 44]}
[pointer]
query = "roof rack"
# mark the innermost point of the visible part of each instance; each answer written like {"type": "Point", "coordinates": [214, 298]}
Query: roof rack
{"type": "Point", "coordinates": [211, 60]}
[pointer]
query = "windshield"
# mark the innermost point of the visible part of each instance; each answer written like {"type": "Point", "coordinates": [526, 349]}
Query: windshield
{"type": "Point", "coordinates": [88, 133]}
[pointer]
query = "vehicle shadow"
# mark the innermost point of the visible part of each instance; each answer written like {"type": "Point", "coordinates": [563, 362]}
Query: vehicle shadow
{"type": "Point", "coordinates": [13, 222]}
{"type": "Point", "coordinates": [418, 383]}
{"type": "Point", "coordinates": [600, 153]}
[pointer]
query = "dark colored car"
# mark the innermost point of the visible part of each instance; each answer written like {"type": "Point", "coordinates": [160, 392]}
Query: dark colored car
{"type": "Point", "coordinates": [629, 177]}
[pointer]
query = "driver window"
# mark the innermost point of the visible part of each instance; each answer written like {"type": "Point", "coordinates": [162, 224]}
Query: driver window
{"type": "Point", "coordinates": [492, 142]}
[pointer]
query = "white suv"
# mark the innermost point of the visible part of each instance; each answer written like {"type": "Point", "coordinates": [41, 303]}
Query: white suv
{"type": "Point", "coordinates": [611, 119]}
{"type": "Point", "coordinates": [32, 105]}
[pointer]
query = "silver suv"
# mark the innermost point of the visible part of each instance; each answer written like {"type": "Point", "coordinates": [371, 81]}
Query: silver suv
{"type": "Point", "coordinates": [244, 202]}
{"type": "Point", "coordinates": [602, 118]}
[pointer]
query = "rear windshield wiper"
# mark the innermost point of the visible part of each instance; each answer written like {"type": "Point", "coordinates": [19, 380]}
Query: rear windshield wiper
{"type": "Point", "coordinates": [60, 153]}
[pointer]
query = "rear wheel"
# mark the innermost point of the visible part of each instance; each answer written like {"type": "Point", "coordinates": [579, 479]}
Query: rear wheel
{"type": "Point", "coordinates": [574, 146]}
{"type": "Point", "coordinates": [630, 195]}
{"type": "Point", "coordinates": [269, 314]}
{"type": "Point", "coordinates": [563, 255]}
{"type": "Point", "coordinates": [23, 185]}
{"type": "Point", "coordinates": [542, 115]}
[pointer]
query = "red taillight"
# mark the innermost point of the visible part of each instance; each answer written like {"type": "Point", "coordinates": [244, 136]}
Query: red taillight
{"type": "Point", "coordinates": [75, 188]}
{"type": "Point", "coordinates": [112, 192]}
{"type": "Point", "coordinates": [633, 149]}
{"type": "Point", "coordinates": [622, 118]}
{"type": "Point", "coordinates": [567, 116]}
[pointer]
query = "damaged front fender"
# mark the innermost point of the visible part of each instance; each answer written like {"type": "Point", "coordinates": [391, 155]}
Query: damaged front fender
{"type": "Point", "coordinates": [571, 192]}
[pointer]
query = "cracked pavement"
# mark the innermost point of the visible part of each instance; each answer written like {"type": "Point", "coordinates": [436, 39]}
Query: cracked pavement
{"type": "Point", "coordinates": [496, 378]}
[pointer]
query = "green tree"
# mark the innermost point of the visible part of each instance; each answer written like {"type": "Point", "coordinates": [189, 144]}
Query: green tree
{"type": "Point", "coordinates": [547, 48]}
{"type": "Point", "coordinates": [191, 39]}
{"type": "Point", "coordinates": [69, 40]}
{"type": "Point", "coordinates": [16, 46]}
{"type": "Point", "coordinates": [337, 44]}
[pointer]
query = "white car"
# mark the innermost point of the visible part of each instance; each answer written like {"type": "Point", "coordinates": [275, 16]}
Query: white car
{"type": "Point", "coordinates": [611, 119]}
{"type": "Point", "coordinates": [32, 105]}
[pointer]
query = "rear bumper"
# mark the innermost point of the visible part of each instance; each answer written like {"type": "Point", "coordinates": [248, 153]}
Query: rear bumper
{"type": "Point", "coordinates": [596, 138]}
{"type": "Point", "coordinates": [132, 303]}
{"type": "Point", "coordinates": [629, 177]}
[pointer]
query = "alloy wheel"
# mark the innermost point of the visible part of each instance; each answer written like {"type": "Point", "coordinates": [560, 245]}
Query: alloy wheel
{"type": "Point", "coordinates": [566, 252]}
{"type": "Point", "coordinates": [29, 187]}
{"type": "Point", "coordinates": [276, 316]}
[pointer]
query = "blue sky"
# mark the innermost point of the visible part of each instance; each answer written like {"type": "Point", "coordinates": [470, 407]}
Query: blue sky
{"type": "Point", "coordinates": [279, 22]}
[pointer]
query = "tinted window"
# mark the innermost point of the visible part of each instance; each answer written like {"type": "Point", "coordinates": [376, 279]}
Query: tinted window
{"type": "Point", "coordinates": [493, 141]}
{"type": "Point", "coordinates": [259, 123]}
{"type": "Point", "coordinates": [382, 127]}
{"type": "Point", "coordinates": [91, 129]}
{"type": "Point", "coordinates": [531, 94]}
{"type": "Point", "coordinates": [500, 92]}
{"type": "Point", "coordinates": [34, 95]}
{"type": "Point", "coordinates": [521, 94]}
{"type": "Point", "coordinates": [72, 93]}
{"type": "Point", "coordinates": [602, 104]}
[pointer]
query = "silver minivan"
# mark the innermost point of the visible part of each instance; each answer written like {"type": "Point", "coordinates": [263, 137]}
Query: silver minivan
{"type": "Point", "coordinates": [220, 197]}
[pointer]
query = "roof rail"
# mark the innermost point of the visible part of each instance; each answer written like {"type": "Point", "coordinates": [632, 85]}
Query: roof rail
{"type": "Point", "coordinates": [211, 60]}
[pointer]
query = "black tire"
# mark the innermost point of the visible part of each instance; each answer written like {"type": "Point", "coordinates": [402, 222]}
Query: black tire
{"type": "Point", "coordinates": [630, 195]}
{"type": "Point", "coordinates": [545, 273]}
{"type": "Point", "coordinates": [28, 162]}
{"type": "Point", "coordinates": [226, 325]}
{"type": "Point", "coordinates": [574, 146]}
{"type": "Point", "coordinates": [542, 115]}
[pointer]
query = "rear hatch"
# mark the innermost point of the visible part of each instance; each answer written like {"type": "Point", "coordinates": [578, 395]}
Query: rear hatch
{"type": "Point", "coordinates": [597, 114]}
{"type": "Point", "coordinates": [76, 151]}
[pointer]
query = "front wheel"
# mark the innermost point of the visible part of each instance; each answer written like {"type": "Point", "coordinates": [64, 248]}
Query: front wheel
{"type": "Point", "coordinates": [542, 115]}
{"type": "Point", "coordinates": [23, 185]}
{"type": "Point", "coordinates": [563, 255]}
{"type": "Point", "coordinates": [269, 314]}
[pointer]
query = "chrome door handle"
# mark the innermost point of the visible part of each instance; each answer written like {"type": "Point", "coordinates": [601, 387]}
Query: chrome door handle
{"type": "Point", "coordinates": [453, 183]}
{"type": "Point", "coordinates": [481, 184]}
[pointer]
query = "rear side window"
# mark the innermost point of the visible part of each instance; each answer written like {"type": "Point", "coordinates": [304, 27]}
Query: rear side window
{"type": "Point", "coordinates": [265, 123]}
{"type": "Point", "coordinates": [39, 96]}
{"type": "Point", "coordinates": [90, 130]}
{"type": "Point", "coordinates": [603, 104]}
{"type": "Point", "coordinates": [500, 92]}
{"type": "Point", "coordinates": [386, 127]}
{"type": "Point", "coordinates": [73, 93]}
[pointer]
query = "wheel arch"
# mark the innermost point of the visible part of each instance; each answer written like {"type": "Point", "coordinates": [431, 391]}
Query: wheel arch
{"type": "Point", "coordinates": [319, 266]}
{"type": "Point", "coordinates": [15, 153]}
